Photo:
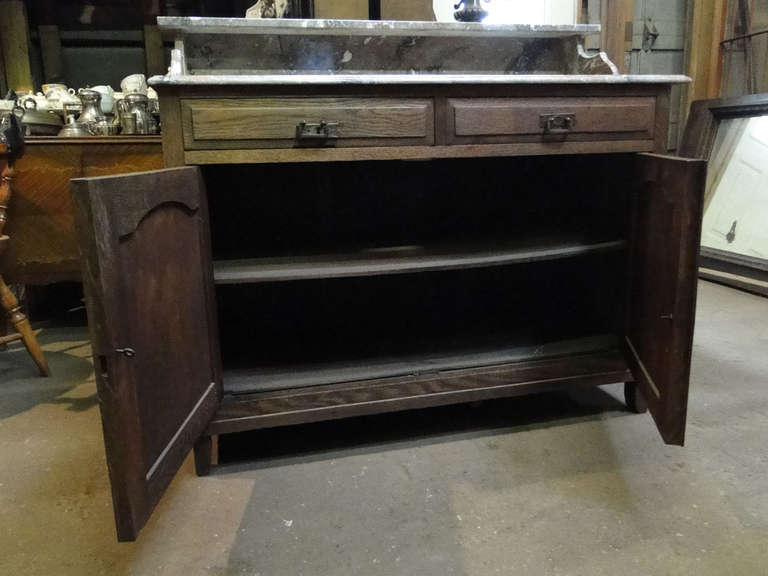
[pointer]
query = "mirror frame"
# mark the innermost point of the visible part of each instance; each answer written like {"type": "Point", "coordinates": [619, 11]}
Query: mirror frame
{"type": "Point", "coordinates": [745, 272]}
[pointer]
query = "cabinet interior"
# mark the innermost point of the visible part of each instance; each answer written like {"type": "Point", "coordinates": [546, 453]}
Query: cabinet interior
{"type": "Point", "coordinates": [330, 273]}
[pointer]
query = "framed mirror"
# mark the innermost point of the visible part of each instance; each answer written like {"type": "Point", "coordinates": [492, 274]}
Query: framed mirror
{"type": "Point", "coordinates": [732, 134]}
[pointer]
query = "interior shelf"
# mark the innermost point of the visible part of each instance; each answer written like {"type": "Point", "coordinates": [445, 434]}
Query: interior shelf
{"type": "Point", "coordinates": [264, 379]}
{"type": "Point", "coordinates": [405, 259]}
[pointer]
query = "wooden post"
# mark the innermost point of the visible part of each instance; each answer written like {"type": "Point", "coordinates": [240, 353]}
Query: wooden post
{"type": "Point", "coordinates": [3, 83]}
{"type": "Point", "coordinates": [706, 26]}
{"type": "Point", "coordinates": [616, 17]}
{"type": "Point", "coordinates": [46, 15]}
{"type": "Point", "coordinates": [14, 38]}
{"type": "Point", "coordinates": [154, 53]}
{"type": "Point", "coordinates": [50, 50]}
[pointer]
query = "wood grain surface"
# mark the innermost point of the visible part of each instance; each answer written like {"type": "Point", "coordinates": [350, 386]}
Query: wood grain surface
{"type": "Point", "coordinates": [663, 260]}
{"type": "Point", "coordinates": [181, 145]}
{"type": "Point", "coordinates": [44, 248]}
{"type": "Point", "coordinates": [630, 117]}
{"type": "Point", "coordinates": [391, 394]}
{"type": "Point", "coordinates": [289, 155]}
{"type": "Point", "coordinates": [146, 261]}
{"type": "Point", "coordinates": [272, 122]}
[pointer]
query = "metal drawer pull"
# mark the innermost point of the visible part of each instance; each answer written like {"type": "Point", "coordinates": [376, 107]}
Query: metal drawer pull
{"type": "Point", "coordinates": [557, 123]}
{"type": "Point", "coordinates": [317, 130]}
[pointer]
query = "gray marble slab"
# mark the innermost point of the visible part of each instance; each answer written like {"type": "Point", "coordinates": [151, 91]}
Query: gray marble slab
{"type": "Point", "coordinates": [410, 79]}
{"type": "Point", "coordinates": [290, 46]}
{"type": "Point", "coordinates": [183, 26]}
{"type": "Point", "coordinates": [223, 51]}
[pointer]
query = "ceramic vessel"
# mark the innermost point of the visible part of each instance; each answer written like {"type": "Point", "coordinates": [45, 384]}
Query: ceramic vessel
{"type": "Point", "coordinates": [470, 11]}
{"type": "Point", "coordinates": [107, 98]}
{"type": "Point", "coordinates": [58, 96]}
{"type": "Point", "coordinates": [56, 90]}
{"type": "Point", "coordinates": [135, 83]}
{"type": "Point", "coordinates": [36, 102]}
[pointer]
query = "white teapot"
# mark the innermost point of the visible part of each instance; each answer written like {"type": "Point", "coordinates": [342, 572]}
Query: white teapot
{"type": "Point", "coordinates": [60, 97]}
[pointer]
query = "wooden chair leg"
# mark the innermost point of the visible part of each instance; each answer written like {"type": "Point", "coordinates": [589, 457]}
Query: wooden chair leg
{"type": "Point", "coordinates": [3, 332]}
{"type": "Point", "coordinates": [19, 321]}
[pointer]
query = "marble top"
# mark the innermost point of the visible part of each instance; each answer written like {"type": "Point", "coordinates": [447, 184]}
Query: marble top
{"type": "Point", "coordinates": [405, 79]}
{"type": "Point", "coordinates": [173, 26]}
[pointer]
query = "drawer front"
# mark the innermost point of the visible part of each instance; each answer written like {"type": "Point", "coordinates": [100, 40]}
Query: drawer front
{"type": "Point", "coordinates": [498, 120]}
{"type": "Point", "coordinates": [307, 122]}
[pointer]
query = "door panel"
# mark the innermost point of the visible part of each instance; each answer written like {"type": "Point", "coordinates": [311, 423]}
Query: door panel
{"type": "Point", "coordinates": [663, 257]}
{"type": "Point", "coordinates": [147, 275]}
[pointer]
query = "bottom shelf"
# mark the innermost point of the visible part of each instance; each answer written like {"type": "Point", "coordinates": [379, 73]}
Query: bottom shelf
{"type": "Point", "coordinates": [566, 366]}
{"type": "Point", "coordinates": [265, 379]}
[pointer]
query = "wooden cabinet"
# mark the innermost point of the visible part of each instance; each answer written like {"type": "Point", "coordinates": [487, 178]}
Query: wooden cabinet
{"type": "Point", "coordinates": [288, 280]}
{"type": "Point", "coordinates": [44, 247]}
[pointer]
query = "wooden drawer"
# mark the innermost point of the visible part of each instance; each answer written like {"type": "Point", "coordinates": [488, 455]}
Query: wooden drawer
{"type": "Point", "coordinates": [328, 122]}
{"type": "Point", "coordinates": [499, 120]}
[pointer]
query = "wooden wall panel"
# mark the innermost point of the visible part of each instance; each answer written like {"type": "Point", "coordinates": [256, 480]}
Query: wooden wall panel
{"type": "Point", "coordinates": [703, 63]}
{"type": "Point", "coordinates": [616, 37]}
{"type": "Point", "coordinates": [407, 10]}
{"type": "Point", "coordinates": [355, 9]}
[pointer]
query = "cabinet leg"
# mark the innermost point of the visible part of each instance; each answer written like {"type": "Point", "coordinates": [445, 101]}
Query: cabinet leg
{"type": "Point", "coordinates": [203, 453]}
{"type": "Point", "coordinates": [634, 398]}
{"type": "Point", "coordinates": [206, 454]}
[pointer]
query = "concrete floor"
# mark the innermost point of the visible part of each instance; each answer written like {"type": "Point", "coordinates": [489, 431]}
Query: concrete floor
{"type": "Point", "coordinates": [552, 484]}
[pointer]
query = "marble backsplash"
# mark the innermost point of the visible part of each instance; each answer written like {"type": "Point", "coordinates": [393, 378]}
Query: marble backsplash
{"type": "Point", "coordinates": [356, 54]}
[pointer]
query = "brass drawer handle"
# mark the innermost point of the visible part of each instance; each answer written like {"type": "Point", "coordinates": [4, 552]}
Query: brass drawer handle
{"type": "Point", "coordinates": [557, 123]}
{"type": "Point", "coordinates": [317, 131]}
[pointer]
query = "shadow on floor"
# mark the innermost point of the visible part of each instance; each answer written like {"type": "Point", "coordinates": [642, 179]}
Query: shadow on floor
{"type": "Point", "coordinates": [415, 489]}
{"type": "Point", "coordinates": [21, 388]}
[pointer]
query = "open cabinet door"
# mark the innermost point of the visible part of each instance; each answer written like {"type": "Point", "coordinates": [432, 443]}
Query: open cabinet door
{"type": "Point", "coordinates": [147, 273]}
{"type": "Point", "coordinates": [664, 248]}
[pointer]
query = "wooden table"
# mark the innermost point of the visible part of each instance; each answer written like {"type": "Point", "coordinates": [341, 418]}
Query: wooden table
{"type": "Point", "coordinates": [44, 249]}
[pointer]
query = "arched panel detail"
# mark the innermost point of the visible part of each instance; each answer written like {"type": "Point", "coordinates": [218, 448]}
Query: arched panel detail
{"type": "Point", "coordinates": [130, 227]}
